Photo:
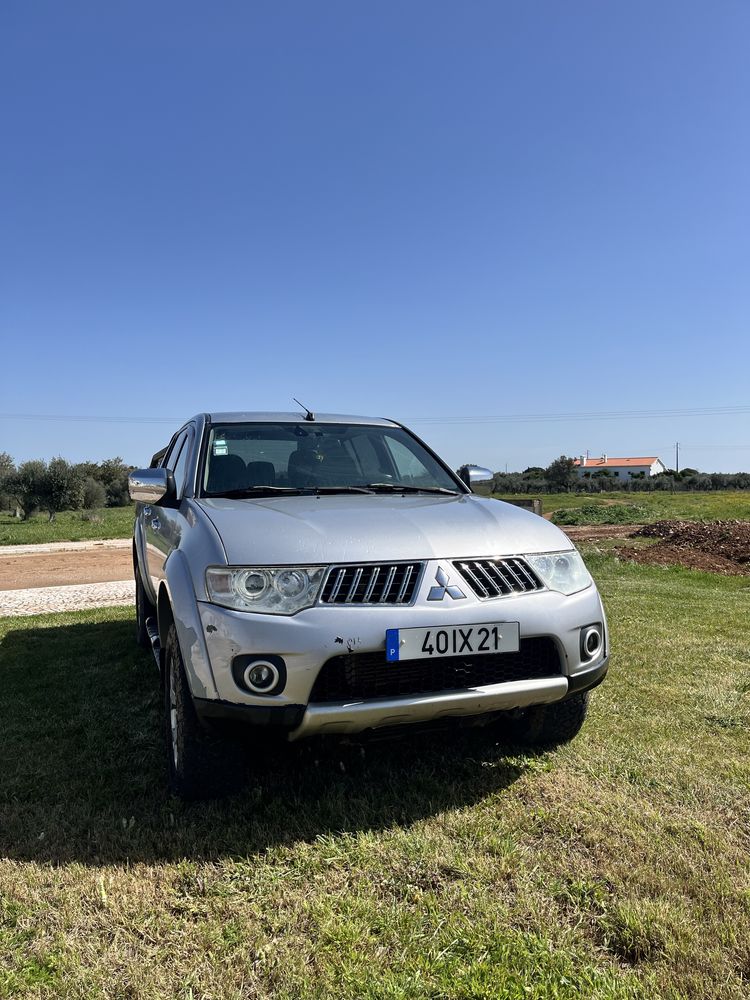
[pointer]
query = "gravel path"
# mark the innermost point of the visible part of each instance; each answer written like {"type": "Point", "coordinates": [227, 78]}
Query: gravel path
{"type": "Point", "coordinates": [65, 576]}
{"type": "Point", "coordinates": [79, 597]}
{"type": "Point", "coordinates": [30, 550]}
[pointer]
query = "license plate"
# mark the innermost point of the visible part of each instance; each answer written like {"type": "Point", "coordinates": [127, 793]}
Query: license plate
{"type": "Point", "coordinates": [455, 640]}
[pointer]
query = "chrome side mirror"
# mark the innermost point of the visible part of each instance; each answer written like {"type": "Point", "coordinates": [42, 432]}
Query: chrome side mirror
{"type": "Point", "coordinates": [151, 485]}
{"type": "Point", "coordinates": [475, 475]}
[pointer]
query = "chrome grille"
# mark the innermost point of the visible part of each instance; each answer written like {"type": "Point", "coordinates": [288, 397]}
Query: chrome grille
{"type": "Point", "coordinates": [498, 577]}
{"type": "Point", "coordinates": [384, 583]}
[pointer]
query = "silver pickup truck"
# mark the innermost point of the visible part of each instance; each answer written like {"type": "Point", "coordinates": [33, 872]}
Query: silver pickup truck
{"type": "Point", "coordinates": [328, 574]}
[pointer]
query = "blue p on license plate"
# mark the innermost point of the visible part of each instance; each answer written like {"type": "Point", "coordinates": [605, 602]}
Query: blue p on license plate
{"type": "Point", "coordinates": [453, 640]}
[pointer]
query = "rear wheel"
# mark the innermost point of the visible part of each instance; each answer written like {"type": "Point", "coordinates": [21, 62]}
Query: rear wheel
{"type": "Point", "coordinates": [201, 764]}
{"type": "Point", "coordinates": [550, 725]}
{"type": "Point", "coordinates": [144, 609]}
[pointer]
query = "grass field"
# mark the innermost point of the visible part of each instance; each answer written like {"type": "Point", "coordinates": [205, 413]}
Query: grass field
{"type": "Point", "coordinates": [68, 526]}
{"type": "Point", "coordinates": [648, 507]}
{"type": "Point", "coordinates": [449, 867]}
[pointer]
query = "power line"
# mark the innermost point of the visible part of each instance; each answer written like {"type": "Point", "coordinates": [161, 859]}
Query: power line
{"type": "Point", "coordinates": [88, 419]}
{"type": "Point", "coordinates": [715, 447]}
{"type": "Point", "coordinates": [604, 415]}
{"type": "Point", "coordinates": [453, 419]}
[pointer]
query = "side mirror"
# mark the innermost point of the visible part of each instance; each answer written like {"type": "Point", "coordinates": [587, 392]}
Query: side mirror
{"type": "Point", "coordinates": [475, 475]}
{"type": "Point", "coordinates": [151, 485]}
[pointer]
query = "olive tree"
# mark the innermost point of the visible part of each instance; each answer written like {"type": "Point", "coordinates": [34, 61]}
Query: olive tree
{"type": "Point", "coordinates": [561, 474]}
{"type": "Point", "coordinates": [26, 487]}
{"type": "Point", "coordinates": [7, 470]}
{"type": "Point", "coordinates": [62, 487]}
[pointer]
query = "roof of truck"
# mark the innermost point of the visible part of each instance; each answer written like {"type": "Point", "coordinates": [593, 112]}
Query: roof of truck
{"type": "Point", "coordinates": [295, 418]}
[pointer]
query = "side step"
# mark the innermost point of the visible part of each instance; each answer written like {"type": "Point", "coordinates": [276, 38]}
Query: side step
{"type": "Point", "coordinates": [153, 634]}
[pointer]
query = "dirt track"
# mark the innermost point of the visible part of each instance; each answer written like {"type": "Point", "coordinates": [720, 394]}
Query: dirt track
{"type": "Point", "coordinates": [590, 532]}
{"type": "Point", "coordinates": [55, 569]}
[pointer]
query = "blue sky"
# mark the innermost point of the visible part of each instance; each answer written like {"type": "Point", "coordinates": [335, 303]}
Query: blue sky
{"type": "Point", "coordinates": [447, 213]}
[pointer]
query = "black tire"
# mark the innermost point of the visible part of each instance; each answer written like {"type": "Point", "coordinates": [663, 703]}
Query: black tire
{"type": "Point", "coordinates": [143, 609]}
{"type": "Point", "coordinates": [550, 725]}
{"type": "Point", "coordinates": [202, 765]}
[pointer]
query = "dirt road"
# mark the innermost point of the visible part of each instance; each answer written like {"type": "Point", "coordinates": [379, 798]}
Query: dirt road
{"type": "Point", "coordinates": [59, 567]}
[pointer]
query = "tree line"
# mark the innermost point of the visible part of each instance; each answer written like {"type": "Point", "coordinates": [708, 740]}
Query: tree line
{"type": "Point", "coordinates": [60, 485]}
{"type": "Point", "coordinates": [561, 476]}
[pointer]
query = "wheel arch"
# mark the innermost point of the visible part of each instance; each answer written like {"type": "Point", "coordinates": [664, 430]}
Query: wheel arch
{"type": "Point", "coordinates": [177, 603]}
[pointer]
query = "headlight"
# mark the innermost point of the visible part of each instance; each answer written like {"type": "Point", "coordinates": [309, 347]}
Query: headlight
{"type": "Point", "coordinates": [263, 589]}
{"type": "Point", "coordinates": [562, 571]}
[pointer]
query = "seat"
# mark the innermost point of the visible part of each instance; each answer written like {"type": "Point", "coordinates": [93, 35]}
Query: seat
{"type": "Point", "coordinates": [338, 468]}
{"type": "Point", "coordinates": [302, 470]}
{"type": "Point", "coordinates": [226, 472]}
{"type": "Point", "coordinates": [331, 466]}
{"type": "Point", "coordinates": [261, 474]}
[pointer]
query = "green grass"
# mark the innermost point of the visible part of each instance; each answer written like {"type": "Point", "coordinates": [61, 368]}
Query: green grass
{"type": "Point", "coordinates": [448, 867]}
{"type": "Point", "coordinates": [645, 507]}
{"type": "Point", "coordinates": [68, 526]}
{"type": "Point", "coordinates": [616, 513]}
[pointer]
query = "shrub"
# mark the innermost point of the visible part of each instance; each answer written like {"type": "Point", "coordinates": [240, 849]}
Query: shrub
{"type": "Point", "coordinates": [94, 494]}
{"type": "Point", "coordinates": [117, 492]}
{"type": "Point", "coordinates": [591, 513]}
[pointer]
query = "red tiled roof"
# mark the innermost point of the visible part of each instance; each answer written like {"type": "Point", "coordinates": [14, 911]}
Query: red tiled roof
{"type": "Point", "coordinates": [600, 463]}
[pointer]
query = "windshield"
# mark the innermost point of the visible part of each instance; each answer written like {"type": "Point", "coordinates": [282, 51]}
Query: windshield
{"type": "Point", "coordinates": [281, 458]}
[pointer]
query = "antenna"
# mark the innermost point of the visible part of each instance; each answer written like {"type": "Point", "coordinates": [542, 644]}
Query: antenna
{"type": "Point", "coordinates": [309, 415]}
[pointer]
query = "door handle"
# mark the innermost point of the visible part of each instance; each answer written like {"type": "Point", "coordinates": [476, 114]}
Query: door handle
{"type": "Point", "coordinates": [156, 524]}
{"type": "Point", "coordinates": [147, 512]}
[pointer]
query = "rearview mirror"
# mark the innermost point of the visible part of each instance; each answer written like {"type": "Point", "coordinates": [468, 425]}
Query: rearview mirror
{"type": "Point", "coordinates": [475, 475]}
{"type": "Point", "coordinates": [151, 485]}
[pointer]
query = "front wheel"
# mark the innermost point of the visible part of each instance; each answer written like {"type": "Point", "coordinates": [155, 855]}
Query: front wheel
{"type": "Point", "coordinates": [201, 764]}
{"type": "Point", "coordinates": [551, 725]}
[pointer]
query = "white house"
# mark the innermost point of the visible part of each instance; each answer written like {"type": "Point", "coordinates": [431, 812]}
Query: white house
{"type": "Point", "coordinates": [620, 468]}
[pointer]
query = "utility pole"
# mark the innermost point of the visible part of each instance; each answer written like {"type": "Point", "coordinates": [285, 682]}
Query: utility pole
{"type": "Point", "coordinates": [677, 457]}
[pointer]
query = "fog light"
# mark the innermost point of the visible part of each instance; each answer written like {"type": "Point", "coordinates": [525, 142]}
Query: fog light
{"type": "Point", "coordinates": [591, 642]}
{"type": "Point", "coordinates": [260, 676]}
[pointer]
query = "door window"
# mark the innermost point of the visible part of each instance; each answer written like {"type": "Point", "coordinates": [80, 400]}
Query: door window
{"type": "Point", "coordinates": [177, 461]}
{"type": "Point", "coordinates": [409, 468]}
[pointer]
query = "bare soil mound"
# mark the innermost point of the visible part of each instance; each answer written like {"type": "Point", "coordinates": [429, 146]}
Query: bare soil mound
{"type": "Point", "coordinates": [591, 532]}
{"type": "Point", "coordinates": [711, 546]}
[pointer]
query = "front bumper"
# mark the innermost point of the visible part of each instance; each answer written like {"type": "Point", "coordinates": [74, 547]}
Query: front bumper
{"type": "Point", "coordinates": [297, 721]}
{"type": "Point", "coordinates": [382, 713]}
{"type": "Point", "coordinates": [307, 640]}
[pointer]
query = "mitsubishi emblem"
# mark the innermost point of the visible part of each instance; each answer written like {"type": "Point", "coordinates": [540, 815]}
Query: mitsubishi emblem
{"type": "Point", "coordinates": [438, 593]}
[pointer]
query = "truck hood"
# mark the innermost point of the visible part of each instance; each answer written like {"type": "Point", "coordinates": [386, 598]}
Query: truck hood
{"type": "Point", "coordinates": [363, 528]}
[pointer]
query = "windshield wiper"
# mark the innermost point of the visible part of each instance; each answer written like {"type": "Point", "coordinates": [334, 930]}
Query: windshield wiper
{"type": "Point", "coordinates": [330, 490]}
{"type": "Point", "coordinates": [408, 488]}
{"type": "Point", "coordinates": [256, 491]}
{"type": "Point", "coordinates": [302, 491]}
